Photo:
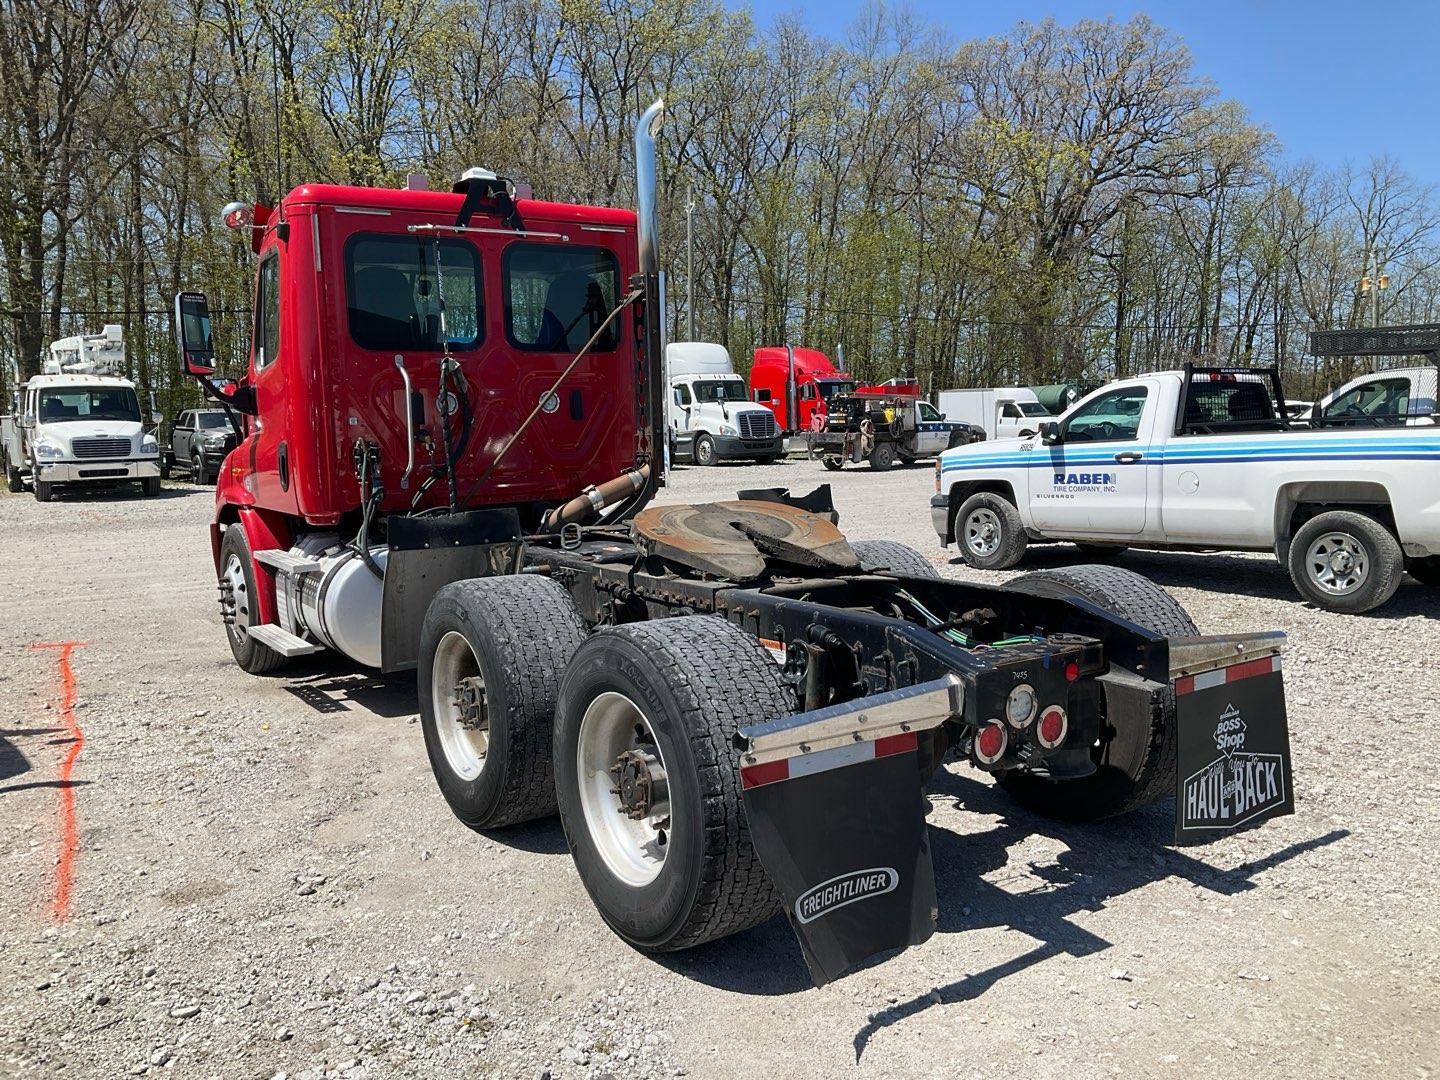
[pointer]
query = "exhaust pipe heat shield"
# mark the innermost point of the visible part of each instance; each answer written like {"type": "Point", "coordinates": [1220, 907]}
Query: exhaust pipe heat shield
{"type": "Point", "coordinates": [836, 814]}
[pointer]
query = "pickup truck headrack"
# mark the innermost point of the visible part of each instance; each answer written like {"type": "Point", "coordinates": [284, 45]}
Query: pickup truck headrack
{"type": "Point", "coordinates": [1419, 339]}
{"type": "Point", "coordinates": [1247, 412]}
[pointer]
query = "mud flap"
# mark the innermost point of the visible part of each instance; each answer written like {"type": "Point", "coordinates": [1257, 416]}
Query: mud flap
{"type": "Point", "coordinates": [839, 824]}
{"type": "Point", "coordinates": [1233, 750]}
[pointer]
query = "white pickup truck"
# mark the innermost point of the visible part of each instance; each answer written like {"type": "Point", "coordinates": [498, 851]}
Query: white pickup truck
{"type": "Point", "coordinates": [1197, 460]}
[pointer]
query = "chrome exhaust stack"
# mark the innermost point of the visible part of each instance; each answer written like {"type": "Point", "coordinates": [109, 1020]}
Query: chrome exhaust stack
{"type": "Point", "coordinates": [647, 207]}
{"type": "Point", "coordinates": [652, 396]}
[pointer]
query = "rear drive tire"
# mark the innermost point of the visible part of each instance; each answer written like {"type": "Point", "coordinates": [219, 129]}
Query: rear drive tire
{"type": "Point", "coordinates": [667, 694]}
{"type": "Point", "coordinates": [1426, 571]}
{"type": "Point", "coordinates": [198, 472]}
{"type": "Point", "coordinates": [989, 532]}
{"type": "Point", "coordinates": [704, 450]}
{"type": "Point", "coordinates": [239, 601]}
{"type": "Point", "coordinates": [14, 478]}
{"type": "Point", "coordinates": [1346, 562]}
{"type": "Point", "coordinates": [1135, 756]}
{"type": "Point", "coordinates": [892, 555]}
{"type": "Point", "coordinates": [883, 456]}
{"type": "Point", "coordinates": [515, 635]}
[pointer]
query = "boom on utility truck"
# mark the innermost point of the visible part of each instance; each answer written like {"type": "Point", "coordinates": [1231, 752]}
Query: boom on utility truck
{"type": "Point", "coordinates": [453, 427]}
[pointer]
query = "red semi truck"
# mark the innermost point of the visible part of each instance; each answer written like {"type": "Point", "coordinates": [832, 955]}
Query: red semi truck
{"type": "Point", "coordinates": [795, 383]}
{"type": "Point", "coordinates": [452, 429]}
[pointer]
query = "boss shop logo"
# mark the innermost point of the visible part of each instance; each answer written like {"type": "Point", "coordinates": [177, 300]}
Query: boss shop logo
{"type": "Point", "coordinates": [845, 889]}
{"type": "Point", "coordinates": [1084, 481]}
{"type": "Point", "coordinates": [1236, 786]}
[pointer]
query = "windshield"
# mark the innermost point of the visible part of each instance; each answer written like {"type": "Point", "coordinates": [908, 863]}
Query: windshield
{"type": "Point", "coordinates": [89, 403]}
{"type": "Point", "coordinates": [1033, 408]}
{"type": "Point", "coordinates": [213, 421]}
{"type": "Point", "coordinates": [830, 387]}
{"type": "Point", "coordinates": [720, 390]}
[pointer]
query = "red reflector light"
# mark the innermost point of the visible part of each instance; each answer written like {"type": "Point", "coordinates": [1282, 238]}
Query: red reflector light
{"type": "Point", "coordinates": [990, 743]}
{"type": "Point", "coordinates": [1072, 671]}
{"type": "Point", "coordinates": [1051, 730]}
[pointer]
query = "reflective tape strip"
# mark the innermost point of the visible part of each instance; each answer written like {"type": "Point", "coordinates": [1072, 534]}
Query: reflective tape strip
{"type": "Point", "coordinates": [823, 760]}
{"type": "Point", "coordinates": [1188, 684]}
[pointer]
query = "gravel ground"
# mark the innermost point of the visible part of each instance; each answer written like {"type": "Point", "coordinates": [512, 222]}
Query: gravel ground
{"type": "Point", "coordinates": [267, 880]}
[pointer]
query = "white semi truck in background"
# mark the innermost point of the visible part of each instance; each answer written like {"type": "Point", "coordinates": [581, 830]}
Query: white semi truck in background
{"type": "Point", "coordinates": [711, 415]}
{"type": "Point", "coordinates": [79, 421]}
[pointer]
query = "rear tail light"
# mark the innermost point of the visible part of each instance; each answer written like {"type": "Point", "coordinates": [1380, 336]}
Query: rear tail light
{"type": "Point", "coordinates": [990, 742]}
{"type": "Point", "coordinates": [1054, 725]}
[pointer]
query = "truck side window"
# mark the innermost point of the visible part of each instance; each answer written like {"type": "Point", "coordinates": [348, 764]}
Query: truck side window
{"type": "Point", "coordinates": [807, 392]}
{"type": "Point", "coordinates": [557, 295]}
{"type": "Point", "coordinates": [1383, 397]}
{"type": "Point", "coordinates": [1112, 417]}
{"type": "Point", "coordinates": [393, 293]}
{"type": "Point", "coordinates": [267, 313]}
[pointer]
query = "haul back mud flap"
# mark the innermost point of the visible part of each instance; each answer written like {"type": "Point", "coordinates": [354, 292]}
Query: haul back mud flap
{"type": "Point", "coordinates": [1233, 747]}
{"type": "Point", "coordinates": [836, 814]}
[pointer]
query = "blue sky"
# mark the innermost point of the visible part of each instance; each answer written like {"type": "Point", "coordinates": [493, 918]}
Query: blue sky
{"type": "Point", "coordinates": [1334, 81]}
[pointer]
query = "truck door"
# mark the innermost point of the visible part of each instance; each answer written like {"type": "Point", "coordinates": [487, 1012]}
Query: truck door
{"type": "Point", "coordinates": [1094, 482]}
{"type": "Point", "coordinates": [932, 432]}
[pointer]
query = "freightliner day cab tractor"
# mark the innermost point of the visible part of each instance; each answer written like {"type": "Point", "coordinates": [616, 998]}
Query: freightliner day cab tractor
{"type": "Point", "coordinates": [711, 417]}
{"type": "Point", "coordinates": [453, 435]}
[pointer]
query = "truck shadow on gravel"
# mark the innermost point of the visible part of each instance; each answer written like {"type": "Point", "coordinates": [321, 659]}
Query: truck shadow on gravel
{"type": "Point", "coordinates": [1101, 862]}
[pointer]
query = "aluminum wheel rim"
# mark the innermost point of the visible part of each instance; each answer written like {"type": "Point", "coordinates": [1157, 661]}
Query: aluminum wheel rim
{"type": "Point", "coordinates": [466, 749]}
{"type": "Point", "coordinates": [982, 532]}
{"type": "Point", "coordinates": [1338, 563]}
{"type": "Point", "coordinates": [633, 850]}
{"type": "Point", "coordinates": [238, 601]}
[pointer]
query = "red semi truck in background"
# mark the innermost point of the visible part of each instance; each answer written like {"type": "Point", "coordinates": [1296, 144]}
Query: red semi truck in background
{"type": "Point", "coordinates": [452, 431]}
{"type": "Point", "coordinates": [795, 383]}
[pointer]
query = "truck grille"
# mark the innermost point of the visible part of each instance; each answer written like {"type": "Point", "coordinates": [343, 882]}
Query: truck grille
{"type": "Point", "coordinates": [100, 446]}
{"type": "Point", "coordinates": [757, 425]}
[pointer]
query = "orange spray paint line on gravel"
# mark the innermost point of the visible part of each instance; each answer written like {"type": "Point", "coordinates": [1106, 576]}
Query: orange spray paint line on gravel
{"type": "Point", "coordinates": [69, 837]}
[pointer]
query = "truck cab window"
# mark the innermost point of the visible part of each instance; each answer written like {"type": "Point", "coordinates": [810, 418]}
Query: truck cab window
{"type": "Point", "coordinates": [1112, 417]}
{"type": "Point", "coordinates": [807, 392]}
{"type": "Point", "coordinates": [682, 395]}
{"type": "Point", "coordinates": [267, 313]}
{"type": "Point", "coordinates": [556, 296]}
{"type": "Point", "coordinates": [1381, 398]}
{"type": "Point", "coordinates": [394, 294]}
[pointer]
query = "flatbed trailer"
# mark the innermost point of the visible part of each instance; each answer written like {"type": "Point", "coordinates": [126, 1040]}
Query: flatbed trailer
{"type": "Point", "coordinates": [733, 708]}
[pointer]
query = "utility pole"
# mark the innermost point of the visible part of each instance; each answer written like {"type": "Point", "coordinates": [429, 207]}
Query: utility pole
{"type": "Point", "coordinates": [690, 261]}
{"type": "Point", "coordinates": [1373, 282]}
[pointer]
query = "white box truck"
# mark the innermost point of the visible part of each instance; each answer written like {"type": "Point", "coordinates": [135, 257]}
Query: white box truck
{"type": "Point", "coordinates": [712, 418]}
{"type": "Point", "coordinates": [1005, 412]}
{"type": "Point", "coordinates": [79, 422]}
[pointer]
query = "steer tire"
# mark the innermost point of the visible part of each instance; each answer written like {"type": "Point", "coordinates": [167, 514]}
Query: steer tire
{"type": "Point", "coordinates": [44, 489]}
{"type": "Point", "coordinates": [705, 451]}
{"type": "Point", "coordinates": [14, 478]}
{"type": "Point", "coordinates": [1135, 757]}
{"type": "Point", "coordinates": [150, 485]}
{"type": "Point", "coordinates": [517, 634]}
{"type": "Point", "coordinates": [1385, 562]}
{"type": "Point", "coordinates": [688, 682]}
{"type": "Point", "coordinates": [1426, 571]}
{"type": "Point", "coordinates": [1008, 546]}
{"type": "Point", "coordinates": [250, 655]}
{"type": "Point", "coordinates": [894, 556]}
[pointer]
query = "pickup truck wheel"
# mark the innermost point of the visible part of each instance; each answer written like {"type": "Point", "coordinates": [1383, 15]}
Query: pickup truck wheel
{"type": "Point", "coordinates": [1135, 756]}
{"type": "Point", "coordinates": [1425, 571]}
{"type": "Point", "coordinates": [989, 532]}
{"type": "Point", "coordinates": [491, 654]}
{"type": "Point", "coordinates": [197, 469]}
{"type": "Point", "coordinates": [832, 462]}
{"type": "Point", "coordinates": [649, 782]}
{"type": "Point", "coordinates": [883, 456]}
{"type": "Point", "coordinates": [14, 479]}
{"type": "Point", "coordinates": [891, 555]}
{"type": "Point", "coordinates": [1347, 562]}
{"type": "Point", "coordinates": [704, 450]}
{"type": "Point", "coordinates": [238, 606]}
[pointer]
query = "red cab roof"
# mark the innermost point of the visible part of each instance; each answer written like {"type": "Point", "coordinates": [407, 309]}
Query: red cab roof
{"type": "Point", "coordinates": [446, 204]}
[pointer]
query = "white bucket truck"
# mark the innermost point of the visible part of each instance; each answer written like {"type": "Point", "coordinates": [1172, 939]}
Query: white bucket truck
{"type": "Point", "coordinates": [712, 418]}
{"type": "Point", "coordinates": [79, 421]}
